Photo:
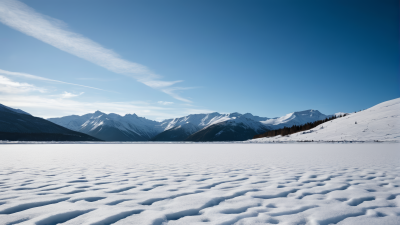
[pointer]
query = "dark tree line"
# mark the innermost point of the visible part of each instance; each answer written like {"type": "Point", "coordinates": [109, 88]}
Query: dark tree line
{"type": "Point", "coordinates": [295, 128]}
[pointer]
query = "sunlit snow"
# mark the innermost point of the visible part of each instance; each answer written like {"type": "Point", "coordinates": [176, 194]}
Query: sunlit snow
{"type": "Point", "coordinates": [200, 184]}
{"type": "Point", "coordinates": [378, 123]}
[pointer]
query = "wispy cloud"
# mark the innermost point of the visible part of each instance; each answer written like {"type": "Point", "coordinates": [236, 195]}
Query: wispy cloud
{"type": "Point", "coordinates": [165, 103]}
{"type": "Point", "coordinates": [12, 87]}
{"type": "Point", "coordinates": [46, 104]}
{"type": "Point", "coordinates": [51, 31]}
{"type": "Point", "coordinates": [159, 83]}
{"type": "Point", "coordinates": [30, 76]}
{"type": "Point", "coordinates": [172, 91]}
{"type": "Point", "coordinates": [95, 79]}
{"type": "Point", "coordinates": [70, 95]}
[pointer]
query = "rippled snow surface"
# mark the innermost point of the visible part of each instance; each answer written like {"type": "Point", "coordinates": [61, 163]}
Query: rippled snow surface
{"type": "Point", "coordinates": [200, 184]}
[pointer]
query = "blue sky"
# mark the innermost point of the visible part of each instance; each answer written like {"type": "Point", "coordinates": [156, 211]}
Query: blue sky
{"type": "Point", "coordinates": [163, 59]}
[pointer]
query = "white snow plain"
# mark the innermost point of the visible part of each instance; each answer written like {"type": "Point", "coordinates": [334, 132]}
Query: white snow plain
{"type": "Point", "coordinates": [154, 184]}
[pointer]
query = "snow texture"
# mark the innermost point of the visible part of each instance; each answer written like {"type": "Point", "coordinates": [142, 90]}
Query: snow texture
{"type": "Point", "coordinates": [200, 184]}
{"type": "Point", "coordinates": [378, 123]}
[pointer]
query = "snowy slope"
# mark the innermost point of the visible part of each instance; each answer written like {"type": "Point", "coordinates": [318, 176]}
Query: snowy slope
{"type": "Point", "coordinates": [73, 122]}
{"type": "Point", "coordinates": [380, 122]}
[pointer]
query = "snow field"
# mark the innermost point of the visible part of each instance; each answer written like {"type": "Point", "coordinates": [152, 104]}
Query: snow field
{"type": "Point", "coordinates": [200, 184]}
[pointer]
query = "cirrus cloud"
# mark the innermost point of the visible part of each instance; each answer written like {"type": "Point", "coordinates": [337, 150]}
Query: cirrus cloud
{"type": "Point", "coordinates": [40, 102]}
{"type": "Point", "coordinates": [70, 95]}
{"type": "Point", "coordinates": [21, 17]}
{"type": "Point", "coordinates": [165, 103]}
{"type": "Point", "coordinates": [12, 87]}
{"type": "Point", "coordinates": [34, 77]}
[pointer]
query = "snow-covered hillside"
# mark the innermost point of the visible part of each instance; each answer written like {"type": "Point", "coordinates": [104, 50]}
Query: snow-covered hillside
{"type": "Point", "coordinates": [380, 122]}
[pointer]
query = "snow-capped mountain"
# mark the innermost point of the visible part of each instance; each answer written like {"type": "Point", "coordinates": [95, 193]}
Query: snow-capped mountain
{"type": "Point", "coordinates": [204, 120]}
{"type": "Point", "coordinates": [179, 129]}
{"type": "Point", "coordinates": [113, 127]}
{"type": "Point", "coordinates": [295, 118]}
{"type": "Point", "coordinates": [378, 123]}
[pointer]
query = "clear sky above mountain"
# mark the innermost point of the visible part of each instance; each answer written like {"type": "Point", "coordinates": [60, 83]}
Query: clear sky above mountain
{"type": "Point", "coordinates": [163, 59]}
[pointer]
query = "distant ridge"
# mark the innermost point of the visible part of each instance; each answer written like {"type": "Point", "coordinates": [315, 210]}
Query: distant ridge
{"type": "Point", "coordinates": [17, 125]}
{"type": "Point", "coordinates": [4, 108]}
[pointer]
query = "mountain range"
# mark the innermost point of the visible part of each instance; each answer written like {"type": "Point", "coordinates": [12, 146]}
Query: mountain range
{"type": "Point", "coordinates": [377, 123]}
{"type": "Point", "coordinates": [194, 127]}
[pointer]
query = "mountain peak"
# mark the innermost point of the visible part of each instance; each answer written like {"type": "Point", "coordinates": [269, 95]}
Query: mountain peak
{"type": "Point", "coordinates": [309, 111]}
{"type": "Point", "coordinates": [247, 114]}
{"type": "Point", "coordinates": [98, 112]}
{"type": "Point", "coordinates": [235, 114]}
{"type": "Point", "coordinates": [132, 115]}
